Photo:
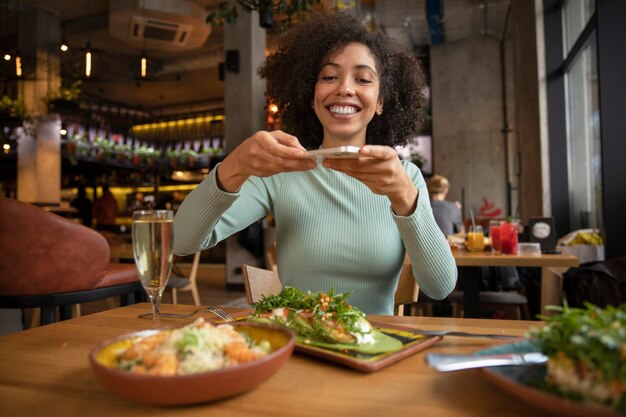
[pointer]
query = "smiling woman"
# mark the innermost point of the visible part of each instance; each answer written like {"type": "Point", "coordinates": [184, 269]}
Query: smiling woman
{"type": "Point", "coordinates": [343, 223]}
{"type": "Point", "coordinates": [347, 95]}
{"type": "Point", "coordinates": [292, 76]}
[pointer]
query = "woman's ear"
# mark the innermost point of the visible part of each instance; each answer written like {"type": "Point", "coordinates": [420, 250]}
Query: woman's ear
{"type": "Point", "coordinates": [379, 108]}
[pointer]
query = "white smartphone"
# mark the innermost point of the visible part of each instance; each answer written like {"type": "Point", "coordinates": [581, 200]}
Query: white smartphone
{"type": "Point", "coordinates": [339, 152]}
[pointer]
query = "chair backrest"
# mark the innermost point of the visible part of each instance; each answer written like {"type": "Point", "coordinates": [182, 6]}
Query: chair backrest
{"type": "Point", "coordinates": [407, 290]}
{"type": "Point", "coordinates": [42, 253]}
{"type": "Point", "coordinates": [259, 282]}
{"type": "Point", "coordinates": [193, 274]}
{"type": "Point", "coordinates": [270, 258]}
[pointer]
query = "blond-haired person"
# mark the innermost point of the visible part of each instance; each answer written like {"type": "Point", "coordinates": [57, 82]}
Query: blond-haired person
{"type": "Point", "coordinates": [447, 213]}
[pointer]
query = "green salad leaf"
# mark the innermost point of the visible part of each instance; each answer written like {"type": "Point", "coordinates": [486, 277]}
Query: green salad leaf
{"type": "Point", "coordinates": [591, 335]}
{"type": "Point", "coordinates": [586, 348]}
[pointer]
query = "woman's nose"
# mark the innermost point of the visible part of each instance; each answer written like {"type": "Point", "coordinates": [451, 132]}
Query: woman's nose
{"type": "Point", "coordinates": [345, 88]}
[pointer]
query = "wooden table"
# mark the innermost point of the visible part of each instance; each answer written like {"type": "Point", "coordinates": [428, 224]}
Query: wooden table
{"type": "Point", "coordinates": [45, 371]}
{"type": "Point", "coordinates": [551, 282]}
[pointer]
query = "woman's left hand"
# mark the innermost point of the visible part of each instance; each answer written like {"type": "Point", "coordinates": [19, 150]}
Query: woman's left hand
{"type": "Point", "coordinates": [380, 169]}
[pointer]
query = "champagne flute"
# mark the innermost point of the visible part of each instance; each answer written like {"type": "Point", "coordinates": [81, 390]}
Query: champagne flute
{"type": "Point", "coordinates": [153, 238]}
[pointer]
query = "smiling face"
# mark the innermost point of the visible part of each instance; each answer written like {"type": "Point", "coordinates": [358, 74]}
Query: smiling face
{"type": "Point", "coordinates": [347, 95]}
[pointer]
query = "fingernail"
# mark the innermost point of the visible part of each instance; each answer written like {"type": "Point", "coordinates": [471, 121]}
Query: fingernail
{"type": "Point", "coordinates": [365, 149]}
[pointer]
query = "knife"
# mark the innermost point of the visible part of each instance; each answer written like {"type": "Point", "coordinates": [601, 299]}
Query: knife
{"type": "Point", "coordinates": [446, 363]}
{"type": "Point", "coordinates": [464, 334]}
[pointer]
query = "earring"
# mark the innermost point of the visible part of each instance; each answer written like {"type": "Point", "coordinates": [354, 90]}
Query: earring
{"type": "Point", "coordinates": [379, 111]}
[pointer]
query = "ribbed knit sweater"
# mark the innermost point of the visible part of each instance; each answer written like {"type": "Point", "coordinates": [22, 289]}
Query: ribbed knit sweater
{"type": "Point", "coordinates": [331, 232]}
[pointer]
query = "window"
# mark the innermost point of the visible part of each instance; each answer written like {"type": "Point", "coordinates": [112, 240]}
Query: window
{"type": "Point", "coordinates": [584, 161]}
{"type": "Point", "coordinates": [576, 15]}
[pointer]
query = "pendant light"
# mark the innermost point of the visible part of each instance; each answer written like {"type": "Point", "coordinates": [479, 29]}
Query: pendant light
{"type": "Point", "coordinates": [144, 65]}
{"type": "Point", "coordinates": [88, 61]}
{"type": "Point", "coordinates": [88, 48]}
{"type": "Point", "coordinates": [18, 64]}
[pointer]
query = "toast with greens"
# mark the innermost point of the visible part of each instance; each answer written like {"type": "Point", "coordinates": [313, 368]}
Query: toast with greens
{"type": "Point", "coordinates": [323, 320]}
{"type": "Point", "coordinates": [587, 353]}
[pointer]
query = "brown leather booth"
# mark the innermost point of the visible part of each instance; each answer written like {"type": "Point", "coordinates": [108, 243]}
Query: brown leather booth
{"type": "Point", "coordinates": [47, 261]}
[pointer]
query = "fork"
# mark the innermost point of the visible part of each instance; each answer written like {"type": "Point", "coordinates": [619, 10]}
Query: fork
{"type": "Point", "coordinates": [226, 317]}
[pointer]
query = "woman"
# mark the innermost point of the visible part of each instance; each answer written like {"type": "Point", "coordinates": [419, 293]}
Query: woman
{"type": "Point", "coordinates": [447, 213]}
{"type": "Point", "coordinates": [342, 224]}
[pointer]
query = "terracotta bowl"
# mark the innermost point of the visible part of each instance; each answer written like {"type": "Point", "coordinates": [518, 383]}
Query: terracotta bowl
{"type": "Point", "coordinates": [200, 387]}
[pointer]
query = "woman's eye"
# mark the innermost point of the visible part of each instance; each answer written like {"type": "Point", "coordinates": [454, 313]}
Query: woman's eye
{"type": "Point", "coordinates": [363, 81]}
{"type": "Point", "coordinates": [328, 77]}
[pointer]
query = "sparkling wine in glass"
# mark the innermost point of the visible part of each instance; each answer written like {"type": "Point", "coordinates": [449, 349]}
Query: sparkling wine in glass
{"type": "Point", "coordinates": [153, 239]}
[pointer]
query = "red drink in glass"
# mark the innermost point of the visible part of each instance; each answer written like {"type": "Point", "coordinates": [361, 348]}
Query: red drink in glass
{"type": "Point", "coordinates": [494, 232]}
{"type": "Point", "coordinates": [508, 238]}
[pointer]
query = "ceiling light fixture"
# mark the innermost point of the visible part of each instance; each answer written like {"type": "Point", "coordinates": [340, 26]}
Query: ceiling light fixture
{"type": "Point", "coordinates": [144, 65]}
{"type": "Point", "coordinates": [88, 61]}
{"type": "Point", "coordinates": [18, 64]}
{"type": "Point", "coordinates": [7, 56]}
{"type": "Point", "coordinates": [64, 46]}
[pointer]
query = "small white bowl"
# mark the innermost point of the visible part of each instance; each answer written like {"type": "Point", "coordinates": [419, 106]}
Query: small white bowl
{"type": "Point", "coordinates": [529, 249]}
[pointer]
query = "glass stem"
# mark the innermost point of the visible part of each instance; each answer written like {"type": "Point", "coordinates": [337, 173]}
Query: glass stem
{"type": "Point", "coordinates": [155, 300]}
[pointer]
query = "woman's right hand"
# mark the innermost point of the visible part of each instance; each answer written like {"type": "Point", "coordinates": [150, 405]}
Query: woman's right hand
{"type": "Point", "coordinates": [262, 155]}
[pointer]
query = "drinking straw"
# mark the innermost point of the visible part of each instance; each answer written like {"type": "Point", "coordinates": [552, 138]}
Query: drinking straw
{"type": "Point", "coordinates": [472, 217]}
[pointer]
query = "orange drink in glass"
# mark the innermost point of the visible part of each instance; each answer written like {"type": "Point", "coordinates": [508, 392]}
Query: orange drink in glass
{"type": "Point", "coordinates": [475, 239]}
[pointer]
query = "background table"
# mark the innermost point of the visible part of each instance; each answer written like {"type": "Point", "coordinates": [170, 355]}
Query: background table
{"type": "Point", "coordinates": [551, 282]}
{"type": "Point", "coordinates": [45, 371]}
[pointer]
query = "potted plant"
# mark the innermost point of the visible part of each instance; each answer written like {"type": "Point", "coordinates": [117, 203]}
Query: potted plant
{"type": "Point", "coordinates": [267, 9]}
{"type": "Point", "coordinates": [145, 155]}
{"type": "Point", "coordinates": [104, 148]}
{"type": "Point", "coordinates": [122, 151]}
{"type": "Point", "coordinates": [76, 144]}
{"type": "Point", "coordinates": [209, 153]}
{"type": "Point", "coordinates": [188, 158]}
{"type": "Point", "coordinates": [173, 156]}
{"type": "Point", "coordinates": [12, 112]}
{"type": "Point", "coordinates": [65, 100]}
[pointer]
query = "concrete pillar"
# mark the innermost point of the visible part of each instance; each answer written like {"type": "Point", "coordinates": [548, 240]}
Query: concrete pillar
{"type": "Point", "coordinates": [531, 143]}
{"type": "Point", "coordinates": [468, 144]}
{"type": "Point", "coordinates": [39, 145]}
{"type": "Point", "coordinates": [244, 102]}
{"type": "Point", "coordinates": [39, 162]}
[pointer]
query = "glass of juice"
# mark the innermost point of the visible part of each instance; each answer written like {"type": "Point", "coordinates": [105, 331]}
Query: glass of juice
{"type": "Point", "coordinates": [494, 233]}
{"type": "Point", "coordinates": [475, 239]}
{"type": "Point", "coordinates": [508, 237]}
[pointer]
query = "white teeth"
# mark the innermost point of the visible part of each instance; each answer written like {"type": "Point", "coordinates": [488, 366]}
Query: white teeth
{"type": "Point", "coordinates": [343, 109]}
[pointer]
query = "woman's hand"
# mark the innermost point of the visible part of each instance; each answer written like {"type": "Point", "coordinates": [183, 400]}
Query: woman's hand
{"type": "Point", "coordinates": [262, 155]}
{"type": "Point", "coordinates": [380, 169]}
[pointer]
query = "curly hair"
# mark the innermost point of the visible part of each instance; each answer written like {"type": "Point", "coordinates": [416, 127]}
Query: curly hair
{"type": "Point", "coordinates": [292, 70]}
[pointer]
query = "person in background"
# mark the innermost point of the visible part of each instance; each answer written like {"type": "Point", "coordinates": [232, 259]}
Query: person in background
{"type": "Point", "coordinates": [139, 202]}
{"type": "Point", "coordinates": [345, 224]}
{"type": "Point", "coordinates": [105, 210]}
{"type": "Point", "coordinates": [175, 201]}
{"type": "Point", "coordinates": [84, 206]}
{"type": "Point", "coordinates": [447, 213]}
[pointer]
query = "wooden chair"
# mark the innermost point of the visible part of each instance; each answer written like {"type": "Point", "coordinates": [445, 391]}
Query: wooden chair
{"type": "Point", "coordinates": [508, 300]}
{"type": "Point", "coordinates": [259, 282]}
{"type": "Point", "coordinates": [512, 303]}
{"type": "Point", "coordinates": [270, 258]}
{"type": "Point", "coordinates": [179, 282]}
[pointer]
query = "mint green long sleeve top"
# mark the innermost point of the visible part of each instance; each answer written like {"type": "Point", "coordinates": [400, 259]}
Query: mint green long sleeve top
{"type": "Point", "coordinates": [331, 232]}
